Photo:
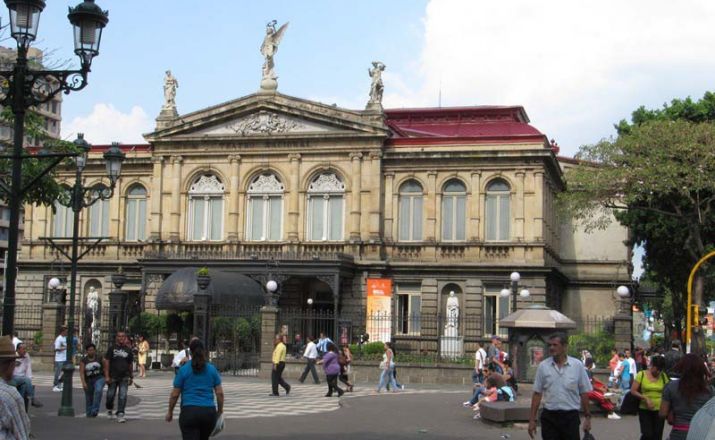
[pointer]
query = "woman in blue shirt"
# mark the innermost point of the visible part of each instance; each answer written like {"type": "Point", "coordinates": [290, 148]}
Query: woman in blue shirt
{"type": "Point", "coordinates": [197, 382]}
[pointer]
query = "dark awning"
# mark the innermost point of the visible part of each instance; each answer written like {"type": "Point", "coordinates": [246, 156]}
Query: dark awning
{"type": "Point", "coordinates": [227, 288]}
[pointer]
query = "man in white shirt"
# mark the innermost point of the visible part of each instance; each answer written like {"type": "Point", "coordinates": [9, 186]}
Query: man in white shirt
{"type": "Point", "coordinates": [22, 376]}
{"type": "Point", "coordinates": [60, 358]}
{"type": "Point", "coordinates": [182, 357]}
{"type": "Point", "coordinates": [311, 356]}
{"type": "Point", "coordinates": [631, 363]}
{"type": "Point", "coordinates": [480, 363]}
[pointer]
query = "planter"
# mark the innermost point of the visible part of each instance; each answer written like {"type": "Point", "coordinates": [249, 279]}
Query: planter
{"type": "Point", "coordinates": [166, 359]}
{"type": "Point", "coordinates": [203, 281]}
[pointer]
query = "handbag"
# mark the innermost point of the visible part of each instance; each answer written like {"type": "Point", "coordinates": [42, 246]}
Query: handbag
{"type": "Point", "coordinates": [218, 426]}
{"type": "Point", "coordinates": [382, 365]}
{"type": "Point", "coordinates": [630, 403]}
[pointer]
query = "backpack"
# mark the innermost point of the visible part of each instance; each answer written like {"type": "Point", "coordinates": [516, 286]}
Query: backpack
{"type": "Point", "coordinates": [505, 394]}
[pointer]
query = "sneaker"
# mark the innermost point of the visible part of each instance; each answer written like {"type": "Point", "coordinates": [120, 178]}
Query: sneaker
{"type": "Point", "coordinates": [288, 390]}
{"type": "Point", "coordinates": [477, 416]}
{"type": "Point", "coordinates": [402, 387]}
{"type": "Point", "coordinates": [614, 416]}
{"type": "Point", "coordinates": [467, 404]}
{"type": "Point", "coordinates": [110, 414]}
{"type": "Point", "coordinates": [56, 389]}
{"type": "Point", "coordinates": [121, 419]}
{"type": "Point", "coordinates": [36, 403]}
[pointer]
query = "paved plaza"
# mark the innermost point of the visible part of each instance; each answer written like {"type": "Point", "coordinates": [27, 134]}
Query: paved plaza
{"type": "Point", "coordinates": [428, 412]}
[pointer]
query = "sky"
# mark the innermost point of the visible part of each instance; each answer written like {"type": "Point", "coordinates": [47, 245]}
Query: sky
{"type": "Point", "coordinates": [577, 67]}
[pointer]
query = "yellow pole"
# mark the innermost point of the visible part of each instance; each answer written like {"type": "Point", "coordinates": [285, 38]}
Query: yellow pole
{"type": "Point", "coordinates": [688, 322]}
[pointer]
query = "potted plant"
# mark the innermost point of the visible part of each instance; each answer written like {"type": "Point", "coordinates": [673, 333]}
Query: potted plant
{"type": "Point", "coordinates": [202, 278]}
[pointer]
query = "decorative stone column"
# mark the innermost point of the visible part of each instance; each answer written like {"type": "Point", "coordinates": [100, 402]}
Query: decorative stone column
{"type": "Point", "coordinates": [390, 201]}
{"type": "Point", "coordinates": [51, 322]}
{"type": "Point", "coordinates": [356, 190]}
{"type": "Point", "coordinates": [623, 330]}
{"type": "Point", "coordinates": [117, 304]}
{"type": "Point", "coordinates": [202, 306]}
{"type": "Point", "coordinates": [156, 198]}
{"type": "Point", "coordinates": [269, 326]}
{"type": "Point", "coordinates": [294, 199]}
{"type": "Point", "coordinates": [175, 198]}
{"type": "Point", "coordinates": [431, 232]}
{"type": "Point", "coordinates": [233, 206]}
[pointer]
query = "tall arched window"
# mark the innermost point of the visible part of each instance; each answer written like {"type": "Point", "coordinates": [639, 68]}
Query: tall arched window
{"type": "Point", "coordinates": [206, 209]}
{"type": "Point", "coordinates": [99, 214]}
{"type": "Point", "coordinates": [62, 221]}
{"type": "Point", "coordinates": [454, 210]}
{"type": "Point", "coordinates": [498, 217]}
{"type": "Point", "coordinates": [136, 213]}
{"type": "Point", "coordinates": [325, 208]}
{"type": "Point", "coordinates": [265, 208]}
{"type": "Point", "coordinates": [410, 211]}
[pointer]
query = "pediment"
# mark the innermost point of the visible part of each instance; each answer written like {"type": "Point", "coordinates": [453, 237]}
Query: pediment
{"type": "Point", "coordinates": [264, 122]}
{"type": "Point", "coordinates": [264, 116]}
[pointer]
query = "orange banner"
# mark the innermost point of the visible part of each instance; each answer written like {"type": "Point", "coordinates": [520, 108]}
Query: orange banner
{"type": "Point", "coordinates": [379, 309]}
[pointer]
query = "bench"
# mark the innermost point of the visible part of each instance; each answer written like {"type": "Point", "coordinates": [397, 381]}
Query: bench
{"type": "Point", "coordinates": [501, 411]}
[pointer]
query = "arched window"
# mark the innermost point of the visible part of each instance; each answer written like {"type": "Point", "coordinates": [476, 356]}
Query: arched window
{"type": "Point", "coordinates": [265, 209]}
{"type": "Point", "coordinates": [99, 214]}
{"type": "Point", "coordinates": [62, 221]}
{"type": "Point", "coordinates": [498, 217]}
{"type": "Point", "coordinates": [136, 213]}
{"type": "Point", "coordinates": [454, 210]}
{"type": "Point", "coordinates": [206, 209]}
{"type": "Point", "coordinates": [325, 208]}
{"type": "Point", "coordinates": [410, 211]}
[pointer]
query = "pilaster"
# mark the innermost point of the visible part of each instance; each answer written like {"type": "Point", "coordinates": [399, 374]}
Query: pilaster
{"type": "Point", "coordinates": [431, 207]}
{"type": "Point", "coordinates": [234, 161]}
{"type": "Point", "coordinates": [390, 204]}
{"type": "Point", "coordinates": [519, 213]}
{"type": "Point", "coordinates": [355, 209]}
{"type": "Point", "coordinates": [474, 206]}
{"type": "Point", "coordinates": [294, 199]}
{"type": "Point", "coordinates": [374, 198]}
{"type": "Point", "coordinates": [156, 198]}
{"type": "Point", "coordinates": [538, 230]}
{"type": "Point", "coordinates": [175, 198]}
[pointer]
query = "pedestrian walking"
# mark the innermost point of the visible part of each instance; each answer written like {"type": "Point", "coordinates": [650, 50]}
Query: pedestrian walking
{"type": "Point", "coordinates": [648, 387]}
{"type": "Point", "coordinates": [345, 358]}
{"type": "Point", "coordinates": [143, 349]}
{"type": "Point", "coordinates": [118, 374]}
{"type": "Point", "coordinates": [311, 357]}
{"type": "Point", "coordinates": [181, 357]}
{"type": "Point", "coordinates": [14, 423]}
{"type": "Point", "coordinates": [92, 377]}
{"type": "Point", "coordinates": [386, 366]}
{"type": "Point", "coordinates": [197, 382]}
{"type": "Point", "coordinates": [624, 373]}
{"type": "Point", "coordinates": [480, 364]}
{"type": "Point", "coordinates": [394, 366]}
{"type": "Point", "coordinates": [672, 357]}
{"type": "Point", "coordinates": [279, 364]}
{"type": "Point", "coordinates": [322, 344]}
{"type": "Point", "coordinates": [613, 368]}
{"type": "Point", "coordinates": [684, 397]}
{"type": "Point", "coordinates": [60, 358]}
{"type": "Point", "coordinates": [331, 366]}
{"type": "Point", "coordinates": [562, 382]}
{"type": "Point", "coordinates": [22, 377]}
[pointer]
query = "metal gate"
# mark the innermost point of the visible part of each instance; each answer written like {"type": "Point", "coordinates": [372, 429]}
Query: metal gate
{"type": "Point", "coordinates": [235, 339]}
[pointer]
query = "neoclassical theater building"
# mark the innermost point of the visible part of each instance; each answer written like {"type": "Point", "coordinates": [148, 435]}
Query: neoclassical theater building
{"type": "Point", "coordinates": [325, 198]}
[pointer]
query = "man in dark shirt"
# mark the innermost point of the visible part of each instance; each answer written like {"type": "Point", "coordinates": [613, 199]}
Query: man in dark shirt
{"type": "Point", "coordinates": [118, 374]}
{"type": "Point", "coordinates": [672, 357]}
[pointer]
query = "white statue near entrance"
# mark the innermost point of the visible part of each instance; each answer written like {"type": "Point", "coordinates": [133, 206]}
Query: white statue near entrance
{"type": "Point", "coordinates": [93, 312]}
{"type": "Point", "coordinates": [450, 328]}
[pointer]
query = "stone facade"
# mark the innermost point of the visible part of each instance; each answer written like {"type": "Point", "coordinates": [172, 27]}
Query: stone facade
{"type": "Point", "coordinates": [324, 198]}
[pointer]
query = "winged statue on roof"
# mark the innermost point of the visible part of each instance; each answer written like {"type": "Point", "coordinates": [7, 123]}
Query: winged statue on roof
{"type": "Point", "coordinates": [270, 47]}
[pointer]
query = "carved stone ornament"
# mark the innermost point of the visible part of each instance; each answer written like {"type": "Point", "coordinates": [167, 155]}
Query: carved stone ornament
{"type": "Point", "coordinates": [266, 184]}
{"type": "Point", "coordinates": [207, 184]}
{"type": "Point", "coordinates": [265, 123]}
{"type": "Point", "coordinates": [327, 183]}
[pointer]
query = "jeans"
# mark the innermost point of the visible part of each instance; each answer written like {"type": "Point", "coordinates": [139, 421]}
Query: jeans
{"type": "Point", "coordinates": [197, 422]}
{"type": "Point", "coordinates": [309, 367]}
{"type": "Point", "coordinates": [387, 378]}
{"type": "Point", "coordinates": [398, 385]}
{"type": "Point", "coordinates": [651, 424]}
{"type": "Point", "coordinates": [93, 396]}
{"type": "Point", "coordinates": [332, 380]}
{"type": "Point", "coordinates": [560, 425]}
{"type": "Point", "coordinates": [58, 373]}
{"type": "Point", "coordinates": [24, 387]}
{"type": "Point", "coordinates": [123, 385]}
{"type": "Point", "coordinates": [478, 392]}
{"type": "Point", "coordinates": [277, 378]}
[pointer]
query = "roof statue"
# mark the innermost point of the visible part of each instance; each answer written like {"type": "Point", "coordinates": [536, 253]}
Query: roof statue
{"type": "Point", "coordinates": [168, 115]}
{"type": "Point", "coordinates": [376, 88]}
{"type": "Point", "coordinates": [268, 50]}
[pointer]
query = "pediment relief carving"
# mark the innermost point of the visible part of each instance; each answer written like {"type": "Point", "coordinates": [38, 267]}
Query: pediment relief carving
{"type": "Point", "coordinates": [263, 123]}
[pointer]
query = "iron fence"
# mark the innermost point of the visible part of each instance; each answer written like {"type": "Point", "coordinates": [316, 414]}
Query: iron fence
{"type": "Point", "coordinates": [235, 338]}
{"type": "Point", "coordinates": [594, 325]}
{"type": "Point", "coordinates": [28, 322]}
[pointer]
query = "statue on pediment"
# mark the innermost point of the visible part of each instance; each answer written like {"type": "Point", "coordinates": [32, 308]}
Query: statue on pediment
{"type": "Point", "coordinates": [170, 86]}
{"type": "Point", "coordinates": [268, 50]}
{"type": "Point", "coordinates": [376, 88]}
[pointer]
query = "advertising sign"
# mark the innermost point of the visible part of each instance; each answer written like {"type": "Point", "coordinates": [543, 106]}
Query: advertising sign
{"type": "Point", "coordinates": [379, 309]}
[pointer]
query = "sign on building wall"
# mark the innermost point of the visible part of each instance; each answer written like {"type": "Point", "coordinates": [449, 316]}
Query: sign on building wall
{"type": "Point", "coordinates": [379, 309]}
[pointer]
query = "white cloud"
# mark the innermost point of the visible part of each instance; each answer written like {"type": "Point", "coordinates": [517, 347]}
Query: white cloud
{"type": "Point", "coordinates": [576, 67]}
{"type": "Point", "coordinates": [106, 124]}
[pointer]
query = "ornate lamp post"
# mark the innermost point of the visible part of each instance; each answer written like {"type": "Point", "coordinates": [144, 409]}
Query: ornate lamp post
{"type": "Point", "coordinates": [624, 296]}
{"type": "Point", "coordinates": [515, 277]}
{"type": "Point", "coordinates": [54, 286]}
{"type": "Point", "coordinates": [22, 88]}
{"type": "Point", "coordinates": [271, 289]}
{"type": "Point", "coordinates": [78, 198]}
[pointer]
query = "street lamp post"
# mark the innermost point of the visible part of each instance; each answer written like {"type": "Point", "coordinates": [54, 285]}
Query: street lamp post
{"type": "Point", "coordinates": [515, 277]}
{"type": "Point", "coordinates": [79, 198]}
{"type": "Point", "coordinates": [22, 88]}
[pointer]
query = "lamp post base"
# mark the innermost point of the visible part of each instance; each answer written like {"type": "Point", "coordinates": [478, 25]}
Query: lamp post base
{"type": "Point", "coordinates": [66, 408]}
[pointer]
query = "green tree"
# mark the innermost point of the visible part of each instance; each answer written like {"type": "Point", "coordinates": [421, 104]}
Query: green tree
{"type": "Point", "coordinates": [656, 177]}
{"type": "Point", "coordinates": [47, 189]}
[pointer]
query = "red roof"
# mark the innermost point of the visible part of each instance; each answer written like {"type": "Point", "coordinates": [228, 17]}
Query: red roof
{"type": "Point", "coordinates": [461, 125]}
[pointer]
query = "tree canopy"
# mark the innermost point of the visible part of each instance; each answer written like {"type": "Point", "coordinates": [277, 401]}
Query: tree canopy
{"type": "Point", "coordinates": [656, 177]}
